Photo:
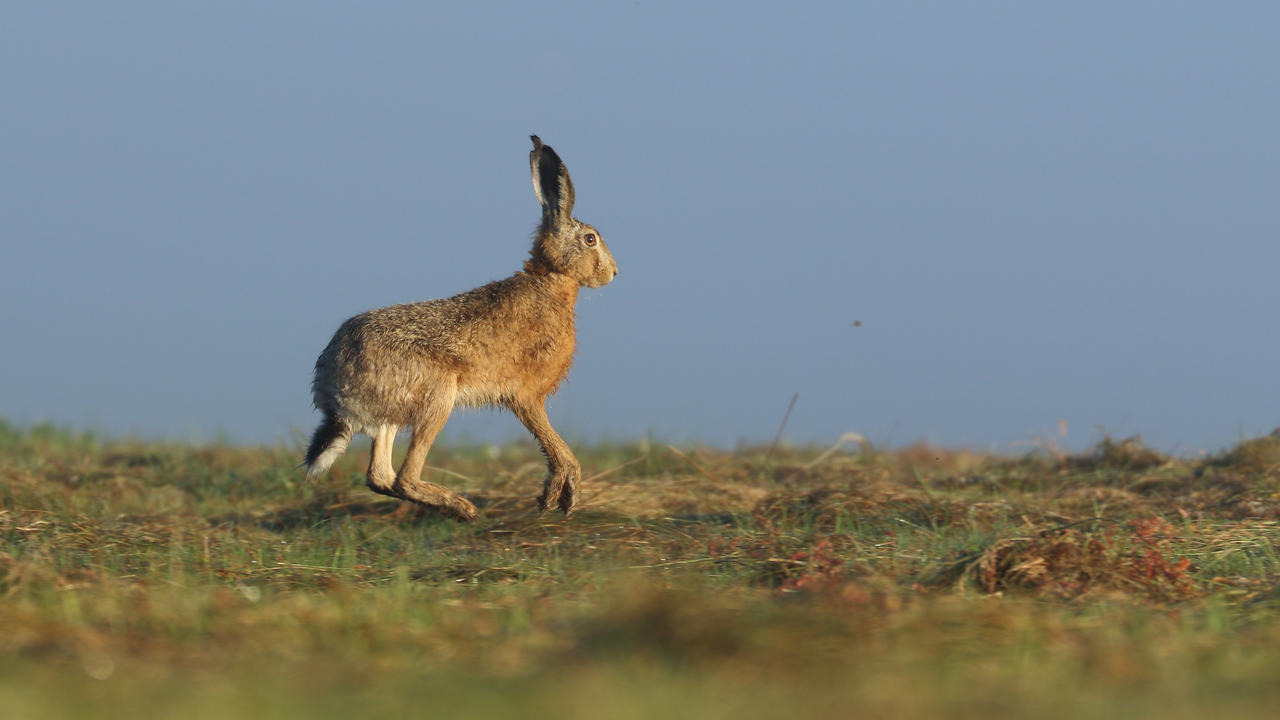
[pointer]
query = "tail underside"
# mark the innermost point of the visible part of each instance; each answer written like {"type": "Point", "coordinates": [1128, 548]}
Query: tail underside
{"type": "Point", "coordinates": [327, 443]}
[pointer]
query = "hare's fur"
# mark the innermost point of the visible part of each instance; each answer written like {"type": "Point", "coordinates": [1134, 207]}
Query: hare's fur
{"type": "Point", "coordinates": [508, 344]}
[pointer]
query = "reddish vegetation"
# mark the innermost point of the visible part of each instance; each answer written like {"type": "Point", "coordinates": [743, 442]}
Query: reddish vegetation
{"type": "Point", "coordinates": [1133, 558]}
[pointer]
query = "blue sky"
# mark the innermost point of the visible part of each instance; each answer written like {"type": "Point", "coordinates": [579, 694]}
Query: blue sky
{"type": "Point", "coordinates": [1038, 213]}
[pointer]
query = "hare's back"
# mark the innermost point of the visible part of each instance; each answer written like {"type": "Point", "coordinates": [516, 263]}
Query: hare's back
{"type": "Point", "coordinates": [380, 364]}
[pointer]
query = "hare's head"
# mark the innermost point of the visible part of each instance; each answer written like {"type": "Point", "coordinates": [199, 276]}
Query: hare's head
{"type": "Point", "coordinates": [564, 244]}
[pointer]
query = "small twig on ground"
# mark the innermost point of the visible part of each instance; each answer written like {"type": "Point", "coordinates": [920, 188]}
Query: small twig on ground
{"type": "Point", "coordinates": [695, 465]}
{"type": "Point", "coordinates": [460, 476]}
{"type": "Point", "coordinates": [614, 469]}
{"type": "Point", "coordinates": [785, 416]}
{"type": "Point", "coordinates": [841, 442]}
{"type": "Point", "coordinates": [672, 563]}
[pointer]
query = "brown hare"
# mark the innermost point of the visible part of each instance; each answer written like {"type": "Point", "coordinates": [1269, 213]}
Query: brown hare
{"type": "Point", "coordinates": [507, 344]}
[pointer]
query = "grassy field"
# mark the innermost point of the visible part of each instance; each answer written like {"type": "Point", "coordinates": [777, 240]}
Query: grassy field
{"type": "Point", "coordinates": [160, 581]}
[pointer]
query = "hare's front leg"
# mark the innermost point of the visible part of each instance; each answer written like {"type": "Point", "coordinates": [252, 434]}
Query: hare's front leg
{"type": "Point", "coordinates": [563, 486]}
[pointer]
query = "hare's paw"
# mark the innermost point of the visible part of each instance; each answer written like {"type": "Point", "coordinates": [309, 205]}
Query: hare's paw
{"type": "Point", "coordinates": [437, 497]}
{"type": "Point", "coordinates": [561, 490]}
{"type": "Point", "coordinates": [460, 508]}
{"type": "Point", "coordinates": [571, 493]}
{"type": "Point", "coordinates": [387, 490]}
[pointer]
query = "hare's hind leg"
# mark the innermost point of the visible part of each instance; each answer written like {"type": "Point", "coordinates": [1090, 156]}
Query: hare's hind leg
{"type": "Point", "coordinates": [410, 486]}
{"type": "Point", "coordinates": [562, 488]}
{"type": "Point", "coordinates": [409, 483]}
{"type": "Point", "coordinates": [382, 475]}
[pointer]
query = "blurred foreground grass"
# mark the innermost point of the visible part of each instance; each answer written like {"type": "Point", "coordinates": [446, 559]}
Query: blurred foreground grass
{"type": "Point", "coordinates": [160, 581]}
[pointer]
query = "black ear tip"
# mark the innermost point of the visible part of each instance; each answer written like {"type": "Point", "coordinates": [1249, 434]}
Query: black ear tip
{"type": "Point", "coordinates": [537, 141]}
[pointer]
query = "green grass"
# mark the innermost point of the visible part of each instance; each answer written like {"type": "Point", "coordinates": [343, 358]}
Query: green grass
{"type": "Point", "coordinates": [149, 580]}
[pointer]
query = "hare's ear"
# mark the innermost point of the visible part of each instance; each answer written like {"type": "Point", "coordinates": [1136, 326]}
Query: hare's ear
{"type": "Point", "coordinates": [551, 182]}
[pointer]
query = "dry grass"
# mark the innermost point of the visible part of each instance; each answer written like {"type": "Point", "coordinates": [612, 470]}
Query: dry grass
{"type": "Point", "coordinates": [767, 582]}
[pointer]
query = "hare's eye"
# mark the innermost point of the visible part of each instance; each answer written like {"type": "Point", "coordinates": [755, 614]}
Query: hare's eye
{"type": "Point", "coordinates": [589, 239]}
